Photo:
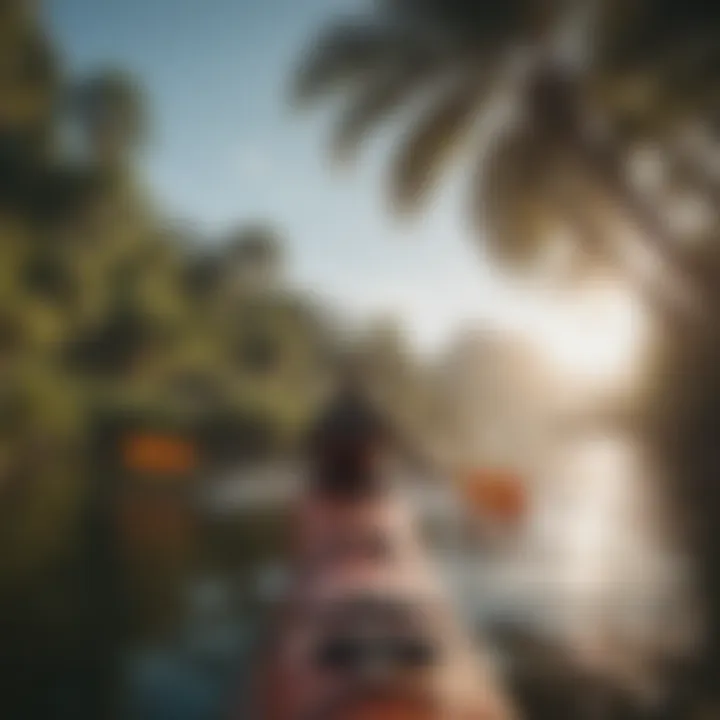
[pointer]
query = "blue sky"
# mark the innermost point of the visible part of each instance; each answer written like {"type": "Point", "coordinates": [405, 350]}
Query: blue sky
{"type": "Point", "coordinates": [226, 147]}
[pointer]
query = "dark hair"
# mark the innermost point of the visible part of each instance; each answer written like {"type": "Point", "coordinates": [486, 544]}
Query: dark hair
{"type": "Point", "coordinates": [345, 445]}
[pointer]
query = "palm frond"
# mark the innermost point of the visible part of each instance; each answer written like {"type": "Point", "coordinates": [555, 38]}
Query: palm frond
{"type": "Point", "coordinates": [652, 67]}
{"type": "Point", "coordinates": [378, 99]}
{"type": "Point", "coordinates": [484, 24]}
{"type": "Point", "coordinates": [672, 46]}
{"type": "Point", "coordinates": [429, 146]}
{"type": "Point", "coordinates": [345, 52]}
{"type": "Point", "coordinates": [638, 31]}
{"type": "Point", "coordinates": [512, 201]}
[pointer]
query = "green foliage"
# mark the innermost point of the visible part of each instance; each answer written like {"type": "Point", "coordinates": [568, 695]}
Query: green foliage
{"type": "Point", "coordinates": [110, 111]}
{"type": "Point", "coordinates": [106, 311]}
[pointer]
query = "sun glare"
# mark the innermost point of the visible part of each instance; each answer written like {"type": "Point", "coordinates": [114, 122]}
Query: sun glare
{"type": "Point", "coordinates": [595, 336]}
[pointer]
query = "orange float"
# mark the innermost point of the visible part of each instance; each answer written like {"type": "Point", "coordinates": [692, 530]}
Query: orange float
{"type": "Point", "coordinates": [163, 455]}
{"type": "Point", "coordinates": [496, 495]}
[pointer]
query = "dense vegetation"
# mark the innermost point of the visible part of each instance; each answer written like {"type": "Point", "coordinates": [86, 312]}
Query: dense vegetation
{"type": "Point", "coordinates": [107, 309]}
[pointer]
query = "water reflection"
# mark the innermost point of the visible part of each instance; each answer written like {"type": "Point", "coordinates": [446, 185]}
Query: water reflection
{"type": "Point", "coordinates": [194, 674]}
{"type": "Point", "coordinates": [592, 573]}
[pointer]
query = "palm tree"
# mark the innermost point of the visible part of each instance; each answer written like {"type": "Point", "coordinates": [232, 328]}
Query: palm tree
{"type": "Point", "coordinates": [561, 104]}
{"type": "Point", "coordinates": [554, 98]}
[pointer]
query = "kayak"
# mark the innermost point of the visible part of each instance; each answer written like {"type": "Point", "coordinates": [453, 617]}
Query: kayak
{"type": "Point", "coordinates": [366, 630]}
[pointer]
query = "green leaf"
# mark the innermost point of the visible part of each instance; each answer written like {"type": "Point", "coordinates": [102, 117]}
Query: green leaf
{"type": "Point", "coordinates": [430, 145]}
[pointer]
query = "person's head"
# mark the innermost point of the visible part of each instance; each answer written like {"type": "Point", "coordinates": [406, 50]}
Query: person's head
{"type": "Point", "coordinates": [347, 446]}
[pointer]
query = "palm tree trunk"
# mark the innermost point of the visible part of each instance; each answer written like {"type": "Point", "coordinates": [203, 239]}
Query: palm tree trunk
{"type": "Point", "coordinates": [689, 445]}
{"type": "Point", "coordinates": [686, 422]}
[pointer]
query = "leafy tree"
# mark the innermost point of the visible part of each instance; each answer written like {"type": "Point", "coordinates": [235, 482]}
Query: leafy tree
{"type": "Point", "coordinates": [28, 87]}
{"type": "Point", "coordinates": [254, 256]}
{"type": "Point", "coordinates": [108, 310]}
{"type": "Point", "coordinates": [111, 113]}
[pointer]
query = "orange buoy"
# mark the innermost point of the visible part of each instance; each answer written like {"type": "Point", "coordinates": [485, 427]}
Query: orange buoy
{"type": "Point", "coordinates": [497, 495]}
